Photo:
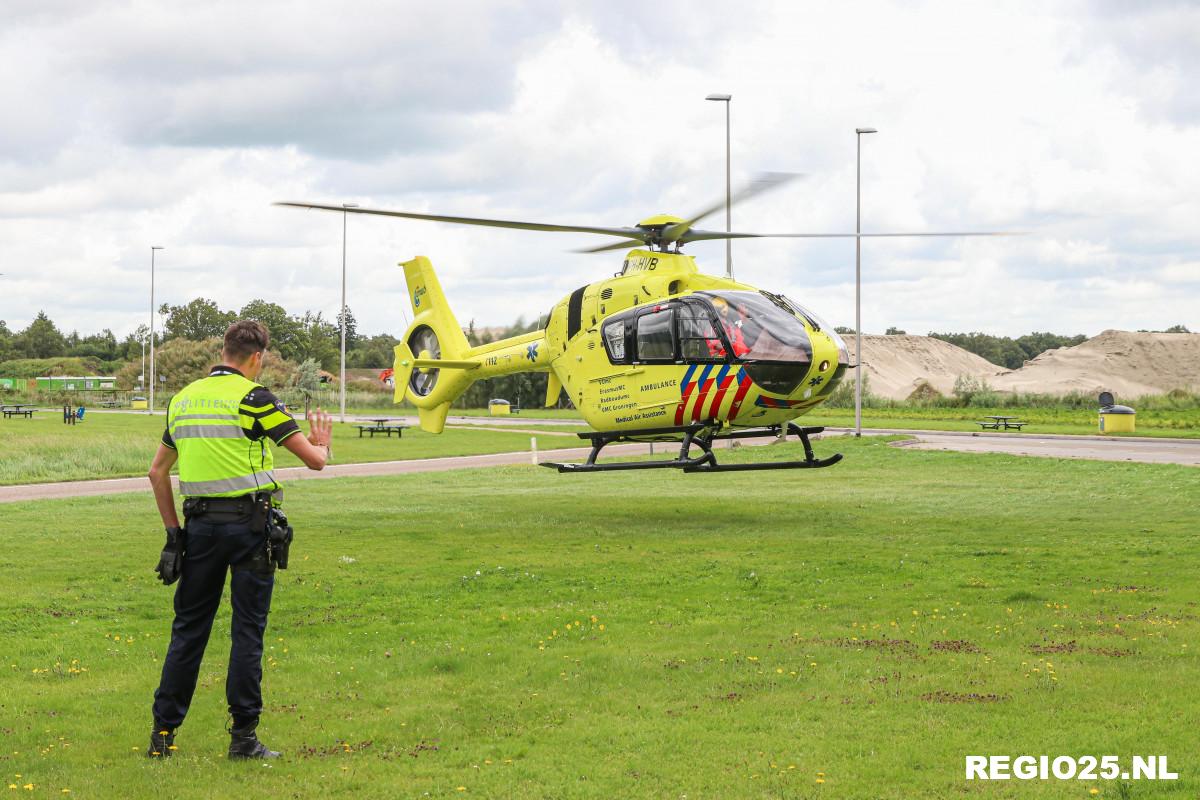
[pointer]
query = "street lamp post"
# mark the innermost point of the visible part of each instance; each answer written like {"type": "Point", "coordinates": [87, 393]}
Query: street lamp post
{"type": "Point", "coordinates": [858, 372]}
{"type": "Point", "coordinates": [725, 98]}
{"type": "Point", "coordinates": [342, 381]}
{"type": "Point", "coordinates": [152, 250]}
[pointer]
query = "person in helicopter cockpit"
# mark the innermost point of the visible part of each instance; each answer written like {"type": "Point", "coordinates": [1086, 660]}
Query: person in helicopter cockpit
{"type": "Point", "coordinates": [748, 326]}
{"type": "Point", "coordinates": [732, 326]}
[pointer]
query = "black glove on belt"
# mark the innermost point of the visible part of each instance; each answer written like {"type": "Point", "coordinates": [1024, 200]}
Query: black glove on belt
{"type": "Point", "coordinates": [170, 563]}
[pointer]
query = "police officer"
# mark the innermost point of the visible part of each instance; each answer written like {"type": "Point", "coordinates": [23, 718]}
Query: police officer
{"type": "Point", "coordinates": [218, 429]}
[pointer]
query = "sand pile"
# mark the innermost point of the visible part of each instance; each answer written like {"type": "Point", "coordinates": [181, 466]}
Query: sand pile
{"type": "Point", "coordinates": [896, 365]}
{"type": "Point", "coordinates": [1124, 363]}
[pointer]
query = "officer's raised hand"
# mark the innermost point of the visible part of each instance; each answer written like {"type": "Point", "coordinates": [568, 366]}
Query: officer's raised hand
{"type": "Point", "coordinates": [313, 449]}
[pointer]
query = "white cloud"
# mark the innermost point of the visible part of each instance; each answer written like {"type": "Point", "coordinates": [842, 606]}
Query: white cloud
{"type": "Point", "coordinates": [131, 124]}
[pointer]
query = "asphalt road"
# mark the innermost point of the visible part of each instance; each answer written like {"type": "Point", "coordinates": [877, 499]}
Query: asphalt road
{"type": "Point", "coordinates": [1153, 451]}
{"type": "Point", "coordinates": [1101, 448]}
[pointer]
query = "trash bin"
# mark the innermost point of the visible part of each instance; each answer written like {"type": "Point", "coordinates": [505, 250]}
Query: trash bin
{"type": "Point", "coordinates": [499, 408]}
{"type": "Point", "coordinates": [1115, 418]}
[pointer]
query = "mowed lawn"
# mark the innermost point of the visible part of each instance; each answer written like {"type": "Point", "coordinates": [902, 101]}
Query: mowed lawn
{"type": "Point", "coordinates": [112, 445]}
{"type": "Point", "coordinates": [852, 632]}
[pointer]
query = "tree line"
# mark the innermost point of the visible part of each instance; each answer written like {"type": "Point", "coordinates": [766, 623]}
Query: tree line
{"type": "Point", "coordinates": [296, 338]}
{"type": "Point", "coordinates": [313, 338]}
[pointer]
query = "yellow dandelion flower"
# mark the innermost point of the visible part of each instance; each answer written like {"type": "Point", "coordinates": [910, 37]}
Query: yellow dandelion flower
{"type": "Point", "coordinates": [461, 789]}
{"type": "Point", "coordinates": [1093, 791]}
{"type": "Point", "coordinates": [820, 780]}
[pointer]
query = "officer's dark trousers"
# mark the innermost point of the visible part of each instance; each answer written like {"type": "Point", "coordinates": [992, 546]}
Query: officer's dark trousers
{"type": "Point", "coordinates": [215, 542]}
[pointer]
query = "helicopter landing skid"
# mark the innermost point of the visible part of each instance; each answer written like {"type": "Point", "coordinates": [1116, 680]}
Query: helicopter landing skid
{"type": "Point", "coordinates": [700, 435]}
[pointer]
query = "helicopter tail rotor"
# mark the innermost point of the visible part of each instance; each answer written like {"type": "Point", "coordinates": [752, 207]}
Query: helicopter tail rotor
{"type": "Point", "coordinates": [431, 365]}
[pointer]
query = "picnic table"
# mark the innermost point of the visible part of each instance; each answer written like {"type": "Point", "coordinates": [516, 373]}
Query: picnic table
{"type": "Point", "coordinates": [18, 409]}
{"type": "Point", "coordinates": [381, 425]}
{"type": "Point", "coordinates": [999, 422]}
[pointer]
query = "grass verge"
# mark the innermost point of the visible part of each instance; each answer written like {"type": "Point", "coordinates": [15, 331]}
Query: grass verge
{"type": "Point", "coordinates": [851, 632]}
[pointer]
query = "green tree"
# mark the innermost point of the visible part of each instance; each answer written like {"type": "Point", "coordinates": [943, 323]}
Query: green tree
{"type": "Point", "coordinates": [376, 352]}
{"type": "Point", "coordinates": [999, 350]}
{"type": "Point", "coordinates": [284, 329]}
{"type": "Point", "coordinates": [101, 345]}
{"type": "Point", "coordinates": [317, 339]}
{"type": "Point", "coordinates": [895, 332]}
{"type": "Point", "coordinates": [198, 320]}
{"type": "Point", "coordinates": [1036, 343]}
{"type": "Point", "coordinates": [352, 335]}
{"type": "Point", "coordinates": [308, 376]}
{"type": "Point", "coordinates": [6, 342]}
{"type": "Point", "coordinates": [131, 345]}
{"type": "Point", "coordinates": [41, 339]}
{"type": "Point", "coordinates": [1177, 329]}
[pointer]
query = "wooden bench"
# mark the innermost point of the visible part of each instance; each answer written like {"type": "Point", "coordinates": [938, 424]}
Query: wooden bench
{"type": "Point", "coordinates": [387, 429]}
{"type": "Point", "coordinates": [993, 425]}
{"type": "Point", "coordinates": [25, 412]}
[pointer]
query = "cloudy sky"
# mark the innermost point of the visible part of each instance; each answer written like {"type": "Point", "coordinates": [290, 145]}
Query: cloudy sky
{"type": "Point", "coordinates": [128, 125]}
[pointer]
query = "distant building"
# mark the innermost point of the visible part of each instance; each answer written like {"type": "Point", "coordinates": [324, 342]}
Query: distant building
{"type": "Point", "coordinates": [66, 383]}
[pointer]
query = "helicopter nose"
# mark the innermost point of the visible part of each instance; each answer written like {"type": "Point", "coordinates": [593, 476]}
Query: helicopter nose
{"type": "Point", "coordinates": [778, 378]}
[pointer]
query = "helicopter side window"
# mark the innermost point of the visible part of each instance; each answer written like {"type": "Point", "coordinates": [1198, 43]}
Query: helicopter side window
{"type": "Point", "coordinates": [656, 336]}
{"type": "Point", "coordinates": [698, 337]}
{"type": "Point", "coordinates": [614, 339]}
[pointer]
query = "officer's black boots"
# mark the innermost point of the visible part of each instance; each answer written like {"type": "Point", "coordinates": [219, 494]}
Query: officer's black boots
{"type": "Point", "coordinates": [162, 742]}
{"type": "Point", "coordinates": [244, 743]}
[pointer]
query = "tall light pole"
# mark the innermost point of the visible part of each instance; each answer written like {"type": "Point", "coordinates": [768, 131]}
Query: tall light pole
{"type": "Point", "coordinates": [725, 98]}
{"type": "Point", "coordinates": [342, 382]}
{"type": "Point", "coordinates": [858, 372]}
{"type": "Point", "coordinates": [152, 249]}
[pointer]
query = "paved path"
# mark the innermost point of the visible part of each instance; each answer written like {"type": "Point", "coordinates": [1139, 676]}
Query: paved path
{"type": "Point", "coordinates": [1101, 448]}
{"type": "Point", "coordinates": [40, 491]}
{"type": "Point", "coordinates": [1154, 451]}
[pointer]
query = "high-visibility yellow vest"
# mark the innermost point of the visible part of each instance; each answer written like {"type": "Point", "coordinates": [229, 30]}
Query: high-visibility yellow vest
{"type": "Point", "coordinates": [216, 459]}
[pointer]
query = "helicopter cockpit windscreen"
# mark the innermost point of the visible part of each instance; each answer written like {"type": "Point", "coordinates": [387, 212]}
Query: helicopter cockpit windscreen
{"type": "Point", "coordinates": [759, 329]}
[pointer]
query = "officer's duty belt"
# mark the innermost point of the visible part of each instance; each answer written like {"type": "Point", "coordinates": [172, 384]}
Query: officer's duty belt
{"type": "Point", "coordinates": [198, 506]}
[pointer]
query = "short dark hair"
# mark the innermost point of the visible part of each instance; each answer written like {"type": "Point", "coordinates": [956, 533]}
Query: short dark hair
{"type": "Point", "coordinates": [244, 338]}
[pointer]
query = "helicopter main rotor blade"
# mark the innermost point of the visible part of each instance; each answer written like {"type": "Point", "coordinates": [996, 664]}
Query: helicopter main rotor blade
{"type": "Point", "coordinates": [697, 236]}
{"type": "Point", "coordinates": [615, 246]}
{"type": "Point", "coordinates": [761, 183]}
{"type": "Point", "coordinates": [635, 233]}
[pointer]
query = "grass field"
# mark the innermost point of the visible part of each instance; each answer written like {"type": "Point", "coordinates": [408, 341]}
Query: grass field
{"type": "Point", "coordinates": [852, 632]}
{"type": "Point", "coordinates": [120, 445]}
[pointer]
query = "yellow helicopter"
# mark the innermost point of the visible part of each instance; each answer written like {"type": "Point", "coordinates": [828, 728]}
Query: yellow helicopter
{"type": "Point", "coordinates": [659, 352]}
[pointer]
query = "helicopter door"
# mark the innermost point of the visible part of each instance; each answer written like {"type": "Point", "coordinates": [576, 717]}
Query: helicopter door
{"type": "Point", "coordinates": [698, 337]}
{"type": "Point", "coordinates": [656, 336]}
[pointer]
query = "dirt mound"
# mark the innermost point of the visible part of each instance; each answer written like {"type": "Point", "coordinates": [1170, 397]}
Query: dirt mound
{"type": "Point", "coordinates": [1124, 363]}
{"type": "Point", "coordinates": [897, 365]}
